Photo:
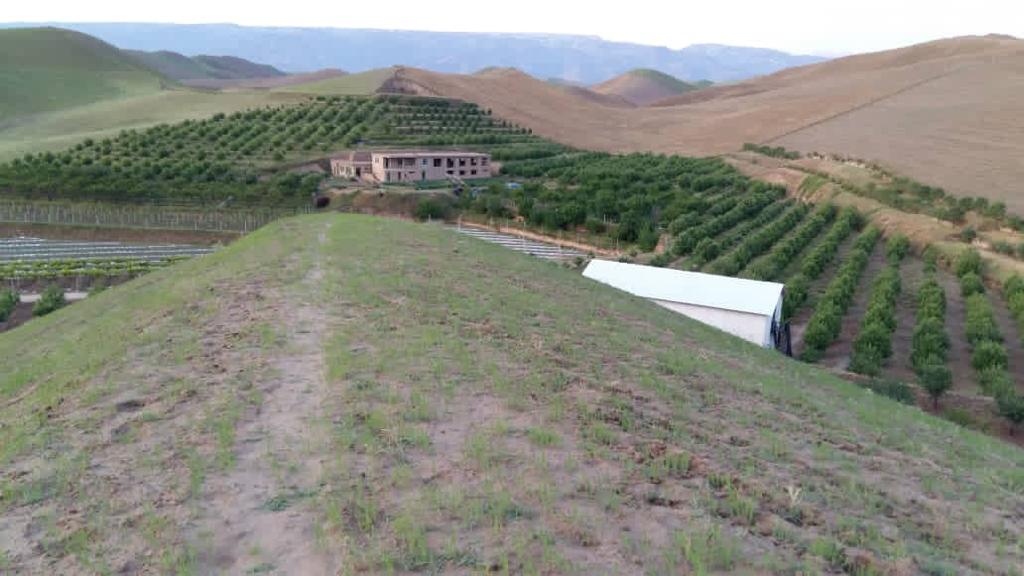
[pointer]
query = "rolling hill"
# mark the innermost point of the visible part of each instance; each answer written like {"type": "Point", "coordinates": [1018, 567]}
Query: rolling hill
{"type": "Point", "coordinates": [583, 59]}
{"type": "Point", "coordinates": [946, 113]}
{"type": "Point", "coordinates": [46, 69]}
{"type": "Point", "coordinates": [645, 86]}
{"type": "Point", "coordinates": [344, 391]}
{"type": "Point", "coordinates": [179, 67]}
{"type": "Point", "coordinates": [60, 87]}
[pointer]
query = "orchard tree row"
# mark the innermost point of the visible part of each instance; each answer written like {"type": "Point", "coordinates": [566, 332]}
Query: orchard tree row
{"type": "Point", "coordinates": [873, 344]}
{"type": "Point", "coordinates": [930, 344]}
{"type": "Point", "coordinates": [241, 157]}
{"type": "Point", "coordinates": [826, 322]}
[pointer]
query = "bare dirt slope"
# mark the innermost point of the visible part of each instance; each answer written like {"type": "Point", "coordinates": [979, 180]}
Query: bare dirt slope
{"type": "Point", "coordinates": [945, 112]}
{"type": "Point", "coordinates": [346, 394]}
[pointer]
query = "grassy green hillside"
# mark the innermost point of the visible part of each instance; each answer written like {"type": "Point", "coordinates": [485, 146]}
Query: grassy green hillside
{"type": "Point", "coordinates": [61, 129]}
{"type": "Point", "coordinates": [667, 80]}
{"type": "Point", "coordinates": [44, 69]}
{"type": "Point", "coordinates": [340, 393]}
{"type": "Point", "coordinates": [180, 67]}
{"type": "Point", "coordinates": [350, 84]}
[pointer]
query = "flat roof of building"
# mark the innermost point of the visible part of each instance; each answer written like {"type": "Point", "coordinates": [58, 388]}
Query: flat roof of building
{"type": "Point", "coordinates": [696, 288]}
{"type": "Point", "coordinates": [428, 154]}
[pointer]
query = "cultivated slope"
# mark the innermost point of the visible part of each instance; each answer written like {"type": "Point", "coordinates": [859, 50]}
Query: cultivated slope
{"type": "Point", "coordinates": [947, 113]}
{"type": "Point", "coordinates": [180, 67]}
{"type": "Point", "coordinates": [342, 393]}
{"type": "Point", "coordinates": [44, 69]}
{"type": "Point", "coordinates": [644, 86]}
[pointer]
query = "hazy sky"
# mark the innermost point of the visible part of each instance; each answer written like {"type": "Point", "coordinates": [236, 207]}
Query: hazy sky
{"type": "Point", "coordinates": [808, 26]}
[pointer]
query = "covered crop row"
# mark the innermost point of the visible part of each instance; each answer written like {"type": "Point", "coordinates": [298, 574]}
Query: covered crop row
{"type": "Point", "coordinates": [826, 322]}
{"type": "Point", "coordinates": [33, 269]}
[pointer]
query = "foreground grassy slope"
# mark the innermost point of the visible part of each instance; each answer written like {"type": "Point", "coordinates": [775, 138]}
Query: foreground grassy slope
{"type": "Point", "coordinates": [44, 69]}
{"type": "Point", "coordinates": [342, 394]}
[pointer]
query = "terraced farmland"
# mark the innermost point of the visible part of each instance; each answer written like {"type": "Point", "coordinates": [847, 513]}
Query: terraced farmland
{"type": "Point", "coordinates": [854, 299]}
{"type": "Point", "coordinates": [24, 260]}
{"type": "Point", "coordinates": [243, 158]}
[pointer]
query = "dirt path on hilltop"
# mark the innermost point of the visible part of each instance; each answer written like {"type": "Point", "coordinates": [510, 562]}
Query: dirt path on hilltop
{"type": "Point", "coordinates": [254, 515]}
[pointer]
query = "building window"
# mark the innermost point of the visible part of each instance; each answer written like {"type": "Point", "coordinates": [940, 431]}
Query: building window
{"type": "Point", "coordinates": [462, 161]}
{"type": "Point", "coordinates": [437, 162]}
{"type": "Point", "coordinates": [462, 172]}
{"type": "Point", "coordinates": [451, 163]}
{"type": "Point", "coordinates": [472, 161]}
{"type": "Point", "coordinates": [483, 161]}
{"type": "Point", "coordinates": [424, 162]}
{"type": "Point", "coordinates": [472, 172]}
{"type": "Point", "coordinates": [450, 172]}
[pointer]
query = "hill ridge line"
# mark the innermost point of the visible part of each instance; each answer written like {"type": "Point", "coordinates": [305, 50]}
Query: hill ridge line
{"type": "Point", "coordinates": [862, 106]}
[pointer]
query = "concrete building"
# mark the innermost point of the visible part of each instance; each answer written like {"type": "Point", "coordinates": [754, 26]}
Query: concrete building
{"type": "Point", "coordinates": [414, 166]}
{"type": "Point", "coordinates": [356, 164]}
{"type": "Point", "coordinates": [750, 309]}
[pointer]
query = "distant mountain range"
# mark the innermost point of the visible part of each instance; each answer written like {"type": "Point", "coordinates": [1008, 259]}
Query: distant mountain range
{"type": "Point", "coordinates": [579, 59]}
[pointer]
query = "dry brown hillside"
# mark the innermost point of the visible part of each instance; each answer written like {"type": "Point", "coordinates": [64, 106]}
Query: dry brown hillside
{"type": "Point", "coordinates": [947, 112]}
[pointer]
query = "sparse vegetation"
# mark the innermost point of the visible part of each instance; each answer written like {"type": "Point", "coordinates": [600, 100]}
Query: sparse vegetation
{"type": "Point", "coordinates": [454, 434]}
{"type": "Point", "coordinates": [8, 300]}
{"type": "Point", "coordinates": [773, 151]}
{"type": "Point", "coordinates": [51, 300]}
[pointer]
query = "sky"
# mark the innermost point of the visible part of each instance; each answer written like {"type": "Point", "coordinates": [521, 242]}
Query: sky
{"type": "Point", "coordinates": [799, 26]}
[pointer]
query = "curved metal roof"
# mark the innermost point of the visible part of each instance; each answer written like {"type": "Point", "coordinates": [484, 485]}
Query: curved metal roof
{"type": "Point", "coordinates": [696, 288]}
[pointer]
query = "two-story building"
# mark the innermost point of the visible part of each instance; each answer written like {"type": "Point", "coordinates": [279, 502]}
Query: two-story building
{"type": "Point", "coordinates": [414, 166]}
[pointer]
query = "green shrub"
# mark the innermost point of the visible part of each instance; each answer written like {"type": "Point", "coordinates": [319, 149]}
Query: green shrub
{"type": "Point", "coordinates": [430, 209]}
{"type": "Point", "coordinates": [1010, 405]}
{"type": "Point", "coordinates": [50, 300]}
{"type": "Point", "coordinates": [993, 380]}
{"type": "Point", "coordinates": [969, 261]}
{"type": "Point", "coordinates": [981, 322]}
{"type": "Point", "coordinates": [936, 379]}
{"type": "Point", "coordinates": [8, 300]}
{"type": "Point", "coordinates": [897, 247]}
{"type": "Point", "coordinates": [970, 284]}
{"type": "Point", "coordinates": [988, 354]}
{"type": "Point", "coordinates": [893, 389]}
{"type": "Point", "coordinates": [866, 359]}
